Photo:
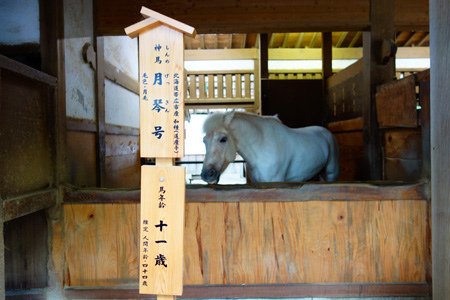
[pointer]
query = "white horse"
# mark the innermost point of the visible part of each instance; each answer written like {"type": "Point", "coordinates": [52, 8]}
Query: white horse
{"type": "Point", "coordinates": [273, 151]}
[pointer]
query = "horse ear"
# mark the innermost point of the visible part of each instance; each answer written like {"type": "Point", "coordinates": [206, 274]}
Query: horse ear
{"type": "Point", "coordinates": [228, 118]}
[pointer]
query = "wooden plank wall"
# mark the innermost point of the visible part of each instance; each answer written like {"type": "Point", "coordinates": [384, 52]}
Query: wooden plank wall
{"type": "Point", "coordinates": [27, 163]}
{"type": "Point", "coordinates": [404, 130]}
{"type": "Point", "coordinates": [367, 235]}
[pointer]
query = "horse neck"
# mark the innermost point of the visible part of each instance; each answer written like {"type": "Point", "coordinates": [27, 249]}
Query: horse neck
{"type": "Point", "coordinates": [246, 133]}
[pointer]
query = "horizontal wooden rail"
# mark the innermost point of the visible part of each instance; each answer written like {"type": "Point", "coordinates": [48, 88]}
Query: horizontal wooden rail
{"type": "Point", "coordinates": [268, 291]}
{"type": "Point", "coordinates": [24, 70]}
{"type": "Point", "coordinates": [19, 206]}
{"type": "Point", "coordinates": [277, 192]}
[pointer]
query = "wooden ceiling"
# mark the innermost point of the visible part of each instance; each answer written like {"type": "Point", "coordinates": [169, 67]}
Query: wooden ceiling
{"type": "Point", "coordinates": [298, 40]}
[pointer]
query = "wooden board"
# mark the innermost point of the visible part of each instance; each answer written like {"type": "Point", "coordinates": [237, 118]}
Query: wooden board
{"type": "Point", "coordinates": [256, 242]}
{"type": "Point", "coordinates": [161, 230]}
{"type": "Point", "coordinates": [161, 76]}
{"type": "Point", "coordinates": [396, 103]}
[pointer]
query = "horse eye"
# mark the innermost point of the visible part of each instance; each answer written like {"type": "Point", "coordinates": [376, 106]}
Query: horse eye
{"type": "Point", "coordinates": [223, 139]}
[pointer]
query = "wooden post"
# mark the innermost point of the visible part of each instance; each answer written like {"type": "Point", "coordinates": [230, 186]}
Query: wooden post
{"type": "Point", "coordinates": [440, 146]}
{"type": "Point", "coordinates": [161, 90]}
{"type": "Point", "coordinates": [327, 70]}
{"type": "Point", "coordinates": [377, 69]}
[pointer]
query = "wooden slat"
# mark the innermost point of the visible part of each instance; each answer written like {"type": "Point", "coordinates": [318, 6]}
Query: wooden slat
{"type": "Point", "coordinates": [201, 86]}
{"type": "Point", "coordinates": [192, 86]}
{"type": "Point", "coordinates": [238, 82]}
{"type": "Point", "coordinates": [211, 86]}
{"type": "Point", "coordinates": [229, 86]}
{"type": "Point", "coordinates": [347, 125]}
{"type": "Point", "coordinates": [247, 90]}
{"type": "Point", "coordinates": [220, 79]}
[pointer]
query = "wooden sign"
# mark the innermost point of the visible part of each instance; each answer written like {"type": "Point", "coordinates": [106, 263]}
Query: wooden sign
{"type": "Point", "coordinates": [162, 223]}
{"type": "Point", "coordinates": [161, 92]}
{"type": "Point", "coordinates": [161, 86]}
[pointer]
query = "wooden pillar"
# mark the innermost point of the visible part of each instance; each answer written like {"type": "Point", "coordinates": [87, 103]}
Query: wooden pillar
{"type": "Point", "coordinates": [327, 70]}
{"type": "Point", "coordinates": [377, 69]}
{"type": "Point", "coordinates": [100, 113]}
{"type": "Point", "coordinates": [2, 250]}
{"type": "Point", "coordinates": [264, 67]}
{"type": "Point", "coordinates": [440, 146]}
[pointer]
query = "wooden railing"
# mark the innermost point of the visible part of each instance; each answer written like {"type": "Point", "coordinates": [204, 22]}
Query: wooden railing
{"type": "Point", "coordinates": [222, 87]}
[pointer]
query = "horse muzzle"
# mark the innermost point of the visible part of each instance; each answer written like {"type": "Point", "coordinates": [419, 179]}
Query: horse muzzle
{"type": "Point", "coordinates": [211, 175]}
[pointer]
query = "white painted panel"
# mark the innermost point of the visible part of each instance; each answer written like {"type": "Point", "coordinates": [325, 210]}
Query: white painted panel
{"type": "Point", "coordinates": [122, 52]}
{"type": "Point", "coordinates": [121, 107]}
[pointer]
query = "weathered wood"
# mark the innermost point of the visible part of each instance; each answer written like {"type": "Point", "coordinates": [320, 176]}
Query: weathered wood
{"type": "Point", "coordinates": [24, 70]}
{"type": "Point", "coordinates": [282, 192]}
{"type": "Point", "coordinates": [100, 102]}
{"type": "Point", "coordinates": [346, 126]}
{"type": "Point", "coordinates": [375, 72]}
{"type": "Point", "coordinates": [26, 142]}
{"type": "Point", "coordinates": [256, 16]}
{"type": "Point", "coordinates": [20, 206]}
{"type": "Point", "coordinates": [344, 92]}
{"type": "Point", "coordinates": [260, 242]}
{"type": "Point", "coordinates": [440, 145]}
{"type": "Point", "coordinates": [26, 252]}
{"type": "Point", "coordinates": [268, 291]}
{"type": "Point", "coordinates": [423, 79]}
{"type": "Point", "coordinates": [396, 103]}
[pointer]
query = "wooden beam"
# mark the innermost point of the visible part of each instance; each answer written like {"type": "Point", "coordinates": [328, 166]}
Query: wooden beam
{"type": "Point", "coordinates": [354, 39]}
{"type": "Point", "coordinates": [264, 193]}
{"type": "Point", "coordinates": [375, 72]}
{"type": "Point", "coordinates": [218, 16]}
{"type": "Point", "coordinates": [440, 146]}
{"type": "Point", "coordinates": [327, 57]}
{"type": "Point", "coordinates": [267, 290]}
{"type": "Point", "coordinates": [20, 206]}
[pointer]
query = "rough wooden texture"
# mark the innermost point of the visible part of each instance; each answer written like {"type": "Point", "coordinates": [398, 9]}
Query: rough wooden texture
{"type": "Point", "coordinates": [99, 249]}
{"type": "Point", "coordinates": [344, 92]}
{"type": "Point", "coordinates": [122, 161]}
{"type": "Point", "coordinates": [402, 154]}
{"type": "Point", "coordinates": [259, 16]}
{"type": "Point", "coordinates": [282, 192]}
{"type": "Point", "coordinates": [26, 134]}
{"type": "Point", "coordinates": [375, 72]}
{"type": "Point", "coordinates": [26, 252]}
{"type": "Point", "coordinates": [349, 136]}
{"type": "Point", "coordinates": [440, 145]}
{"type": "Point", "coordinates": [16, 207]}
{"type": "Point", "coordinates": [396, 103]}
{"type": "Point", "coordinates": [81, 158]}
{"type": "Point", "coordinates": [261, 242]}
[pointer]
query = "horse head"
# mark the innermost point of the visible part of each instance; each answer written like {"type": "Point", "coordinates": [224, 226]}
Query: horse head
{"type": "Point", "coordinates": [220, 146]}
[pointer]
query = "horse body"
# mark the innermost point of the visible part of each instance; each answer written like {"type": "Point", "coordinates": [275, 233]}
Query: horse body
{"type": "Point", "coordinates": [273, 151]}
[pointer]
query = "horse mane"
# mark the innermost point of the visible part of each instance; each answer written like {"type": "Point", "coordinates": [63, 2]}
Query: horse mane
{"type": "Point", "coordinates": [221, 120]}
{"type": "Point", "coordinates": [213, 122]}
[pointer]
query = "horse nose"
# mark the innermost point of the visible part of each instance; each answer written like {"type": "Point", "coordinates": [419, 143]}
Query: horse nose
{"type": "Point", "coordinates": [210, 175]}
